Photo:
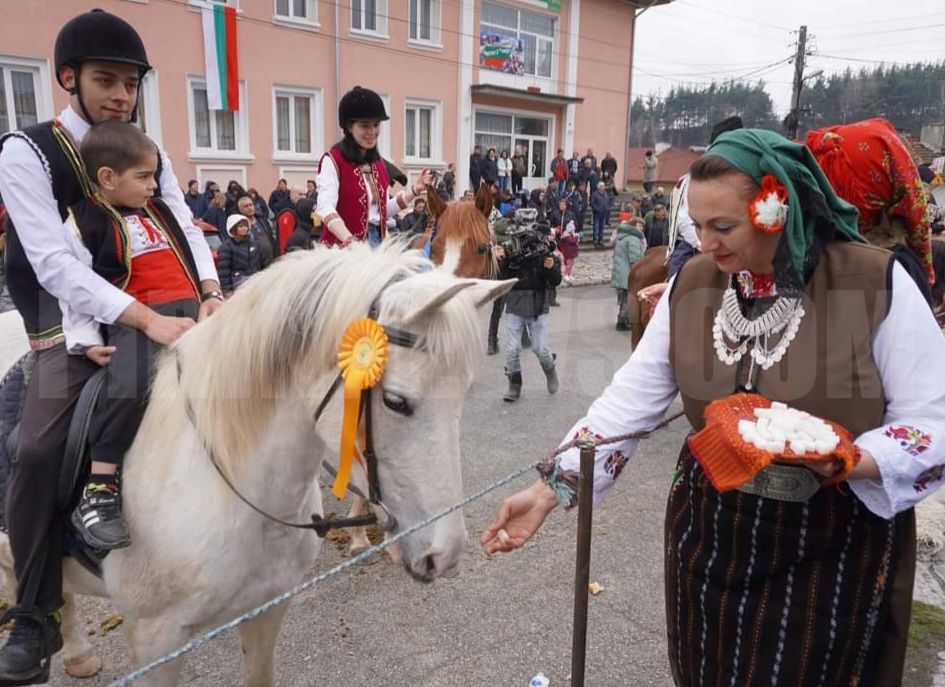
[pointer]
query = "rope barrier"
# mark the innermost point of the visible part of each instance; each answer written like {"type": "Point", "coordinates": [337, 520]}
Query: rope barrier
{"type": "Point", "coordinates": [207, 637]}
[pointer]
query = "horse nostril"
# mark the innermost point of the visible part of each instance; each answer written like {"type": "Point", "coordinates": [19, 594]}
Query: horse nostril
{"type": "Point", "coordinates": [429, 565]}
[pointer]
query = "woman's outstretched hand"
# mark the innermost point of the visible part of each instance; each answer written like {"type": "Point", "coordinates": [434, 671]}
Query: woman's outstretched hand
{"type": "Point", "coordinates": [519, 518]}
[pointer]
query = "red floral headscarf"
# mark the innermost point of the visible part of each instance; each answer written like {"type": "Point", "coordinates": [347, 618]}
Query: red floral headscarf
{"type": "Point", "coordinates": [869, 167]}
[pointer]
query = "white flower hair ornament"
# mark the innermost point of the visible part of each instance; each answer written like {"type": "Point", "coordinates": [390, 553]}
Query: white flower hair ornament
{"type": "Point", "coordinates": [769, 209]}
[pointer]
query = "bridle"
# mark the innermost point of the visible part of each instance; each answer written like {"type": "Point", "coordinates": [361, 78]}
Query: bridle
{"type": "Point", "coordinates": [318, 524]}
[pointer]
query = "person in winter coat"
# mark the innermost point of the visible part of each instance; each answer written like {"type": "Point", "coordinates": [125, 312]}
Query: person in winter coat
{"type": "Point", "coordinates": [568, 245]}
{"type": "Point", "coordinates": [519, 168]}
{"type": "Point", "coordinates": [192, 196]}
{"type": "Point", "coordinates": [475, 168]}
{"type": "Point", "coordinates": [490, 168]}
{"type": "Point", "coordinates": [239, 255]}
{"type": "Point", "coordinates": [600, 207]}
{"type": "Point", "coordinates": [234, 191]}
{"type": "Point", "coordinates": [536, 201]}
{"type": "Point", "coordinates": [657, 227]}
{"type": "Point", "coordinates": [309, 225]}
{"type": "Point", "coordinates": [630, 248]}
{"type": "Point", "coordinates": [504, 166]}
{"type": "Point", "coordinates": [210, 189]}
{"type": "Point", "coordinates": [608, 172]}
{"type": "Point", "coordinates": [215, 214]}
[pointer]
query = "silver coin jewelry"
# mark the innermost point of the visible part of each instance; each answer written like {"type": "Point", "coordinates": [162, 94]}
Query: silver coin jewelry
{"type": "Point", "coordinates": [734, 334]}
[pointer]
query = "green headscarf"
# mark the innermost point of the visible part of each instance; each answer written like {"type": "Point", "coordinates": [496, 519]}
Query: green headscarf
{"type": "Point", "coordinates": [815, 213]}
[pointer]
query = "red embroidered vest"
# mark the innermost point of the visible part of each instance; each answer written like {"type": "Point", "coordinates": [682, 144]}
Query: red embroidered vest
{"type": "Point", "coordinates": [352, 204]}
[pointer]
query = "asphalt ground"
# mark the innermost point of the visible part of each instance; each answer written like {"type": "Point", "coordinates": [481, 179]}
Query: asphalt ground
{"type": "Point", "coordinates": [502, 619]}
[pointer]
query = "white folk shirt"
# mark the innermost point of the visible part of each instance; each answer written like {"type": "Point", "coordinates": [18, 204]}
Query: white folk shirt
{"type": "Point", "coordinates": [27, 193]}
{"type": "Point", "coordinates": [909, 448]}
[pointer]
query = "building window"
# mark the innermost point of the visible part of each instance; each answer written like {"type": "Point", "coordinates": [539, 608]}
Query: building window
{"type": "Point", "coordinates": [19, 96]}
{"type": "Point", "coordinates": [369, 16]}
{"type": "Point", "coordinates": [302, 11]}
{"type": "Point", "coordinates": [421, 131]}
{"type": "Point", "coordinates": [216, 132]}
{"type": "Point", "coordinates": [425, 21]}
{"type": "Point", "coordinates": [296, 111]}
{"type": "Point", "coordinates": [200, 3]}
{"type": "Point", "coordinates": [516, 41]}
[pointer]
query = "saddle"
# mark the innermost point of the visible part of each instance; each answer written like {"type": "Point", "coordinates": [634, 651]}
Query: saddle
{"type": "Point", "coordinates": [75, 461]}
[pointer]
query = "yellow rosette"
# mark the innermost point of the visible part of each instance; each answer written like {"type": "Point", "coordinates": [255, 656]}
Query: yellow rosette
{"type": "Point", "coordinates": [361, 357]}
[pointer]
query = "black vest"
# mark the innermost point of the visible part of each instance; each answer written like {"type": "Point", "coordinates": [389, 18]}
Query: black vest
{"type": "Point", "coordinates": [109, 244]}
{"type": "Point", "coordinates": [39, 309]}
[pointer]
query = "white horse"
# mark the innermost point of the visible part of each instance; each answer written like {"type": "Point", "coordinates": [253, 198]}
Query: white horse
{"type": "Point", "coordinates": [254, 374]}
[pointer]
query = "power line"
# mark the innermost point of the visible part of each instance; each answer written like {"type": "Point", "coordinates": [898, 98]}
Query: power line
{"type": "Point", "coordinates": [882, 32]}
{"type": "Point", "coordinates": [733, 16]}
{"type": "Point", "coordinates": [843, 27]}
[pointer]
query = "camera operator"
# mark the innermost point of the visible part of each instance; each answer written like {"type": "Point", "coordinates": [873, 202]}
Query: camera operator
{"type": "Point", "coordinates": [528, 258]}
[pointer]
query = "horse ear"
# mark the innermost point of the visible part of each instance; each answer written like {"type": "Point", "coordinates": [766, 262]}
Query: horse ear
{"type": "Point", "coordinates": [435, 203]}
{"type": "Point", "coordinates": [487, 290]}
{"type": "Point", "coordinates": [435, 299]}
{"type": "Point", "coordinates": [484, 200]}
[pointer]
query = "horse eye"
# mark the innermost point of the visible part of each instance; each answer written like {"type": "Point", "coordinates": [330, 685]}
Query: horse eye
{"type": "Point", "coordinates": [398, 404]}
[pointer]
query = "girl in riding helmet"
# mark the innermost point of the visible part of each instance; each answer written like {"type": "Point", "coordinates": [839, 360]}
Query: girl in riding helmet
{"type": "Point", "coordinates": [352, 177]}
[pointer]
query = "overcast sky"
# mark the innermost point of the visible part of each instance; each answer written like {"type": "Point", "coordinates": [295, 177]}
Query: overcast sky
{"type": "Point", "coordinates": [696, 41]}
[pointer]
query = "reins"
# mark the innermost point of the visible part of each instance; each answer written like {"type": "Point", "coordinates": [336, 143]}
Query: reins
{"type": "Point", "coordinates": [318, 523]}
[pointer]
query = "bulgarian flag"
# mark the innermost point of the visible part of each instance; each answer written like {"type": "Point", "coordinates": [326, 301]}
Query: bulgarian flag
{"type": "Point", "coordinates": [219, 49]}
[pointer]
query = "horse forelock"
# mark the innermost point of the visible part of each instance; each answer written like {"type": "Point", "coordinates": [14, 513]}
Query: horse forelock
{"type": "Point", "coordinates": [281, 332]}
{"type": "Point", "coordinates": [462, 227]}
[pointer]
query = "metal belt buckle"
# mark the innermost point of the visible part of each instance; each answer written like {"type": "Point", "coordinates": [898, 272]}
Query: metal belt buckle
{"type": "Point", "coordinates": [783, 483]}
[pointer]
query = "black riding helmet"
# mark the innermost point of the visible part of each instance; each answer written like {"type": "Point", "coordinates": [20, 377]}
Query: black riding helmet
{"type": "Point", "coordinates": [360, 103]}
{"type": "Point", "coordinates": [98, 35]}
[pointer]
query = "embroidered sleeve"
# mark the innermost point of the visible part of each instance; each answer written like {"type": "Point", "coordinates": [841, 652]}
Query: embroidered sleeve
{"type": "Point", "coordinates": [909, 447]}
{"type": "Point", "coordinates": [636, 400]}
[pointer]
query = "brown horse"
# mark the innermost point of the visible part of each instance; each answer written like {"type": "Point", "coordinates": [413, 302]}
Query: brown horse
{"type": "Point", "coordinates": [460, 231]}
{"type": "Point", "coordinates": [652, 268]}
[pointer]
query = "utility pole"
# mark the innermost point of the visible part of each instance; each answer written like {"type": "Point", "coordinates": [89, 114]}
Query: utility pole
{"type": "Point", "coordinates": [793, 118]}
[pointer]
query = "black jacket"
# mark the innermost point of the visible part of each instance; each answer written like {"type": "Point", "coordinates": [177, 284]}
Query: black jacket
{"type": "Point", "coordinates": [414, 224]}
{"type": "Point", "coordinates": [531, 294]}
{"type": "Point", "coordinates": [238, 260]}
{"type": "Point", "coordinates": [490, 170]}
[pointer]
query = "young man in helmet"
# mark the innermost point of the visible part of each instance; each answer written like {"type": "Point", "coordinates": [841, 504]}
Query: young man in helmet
{"type": "Point", "coordinates": [352, 177]}
{"type": "Point", "coordinates": [100, 60]}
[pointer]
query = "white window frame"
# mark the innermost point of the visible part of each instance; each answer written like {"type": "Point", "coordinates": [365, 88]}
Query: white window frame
{"type": "Point", "coordinates": [151, 91]}
{"type": "Point", "coordinates": [316, 125]}
{"type": "Point", "coordinates": [436, 132]}
{"type": "Point", "coordinates": [380, 21]}
{"type": "Point", "coordinates": [309, 21]}
{"type": "Point", "coordinates": [298, 175]}
{"type": "Point", "coordinates": [436, 14]}
{"type": "Point", "coordinates": [199, 4]}
{"type": "Point", "coordinates": [241, 127]}
{"type": "Point", "coordinates": [221, 174]}
{"type": "Point", "coordinates": [42, 85]}
{"type": "Point", "coordinates": [519, 32]}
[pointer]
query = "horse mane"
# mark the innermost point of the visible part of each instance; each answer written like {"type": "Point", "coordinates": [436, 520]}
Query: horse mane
{"type": "Point", "coordinates": [281, 331]}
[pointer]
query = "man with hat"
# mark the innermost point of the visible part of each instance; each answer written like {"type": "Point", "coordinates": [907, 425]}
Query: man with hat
{"type": "Point", "coordinates": [100, 60]}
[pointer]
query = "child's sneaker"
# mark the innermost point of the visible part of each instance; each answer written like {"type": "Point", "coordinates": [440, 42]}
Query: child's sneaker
{"type": "Point", "coordinates": [98, 517]}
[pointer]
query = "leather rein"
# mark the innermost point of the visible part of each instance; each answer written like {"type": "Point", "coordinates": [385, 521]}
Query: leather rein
{"type": "Point", "coordinates": [319, 524]}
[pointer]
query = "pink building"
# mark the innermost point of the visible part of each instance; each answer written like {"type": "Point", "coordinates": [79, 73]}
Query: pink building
{"type": "Point", "coordinates": [538, 74]}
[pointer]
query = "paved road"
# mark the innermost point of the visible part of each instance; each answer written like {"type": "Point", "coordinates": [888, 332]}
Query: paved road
{"type": "Point", "coordinates": [506, 618]}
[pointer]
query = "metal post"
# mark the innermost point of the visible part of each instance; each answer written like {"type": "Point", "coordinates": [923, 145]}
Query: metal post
{"type": "Point", "coordinates": [582, 567]}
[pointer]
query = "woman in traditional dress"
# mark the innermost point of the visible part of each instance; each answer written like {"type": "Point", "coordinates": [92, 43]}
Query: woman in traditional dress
{"type": "Point", "coordinates": [353, 179]}
{"type": "Point", "coordinates": [804, 579]}
{"type": "Point", "coordinates": [870, 167]}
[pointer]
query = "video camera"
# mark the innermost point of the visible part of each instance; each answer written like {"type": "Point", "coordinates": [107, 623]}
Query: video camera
{"type": "Point", "coordinates": [527, 244]}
